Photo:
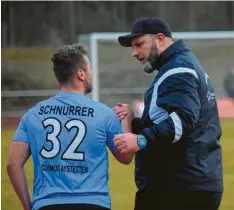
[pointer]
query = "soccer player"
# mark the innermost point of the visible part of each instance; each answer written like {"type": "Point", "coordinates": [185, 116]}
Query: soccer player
{"type": "Point", "coordinates": [67, 136]}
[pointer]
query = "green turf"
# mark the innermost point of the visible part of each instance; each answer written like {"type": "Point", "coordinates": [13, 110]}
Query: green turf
{"type": "Point", "coordinates": [121, 177]}
{"type": "Point", "coordinates": [28, 53]}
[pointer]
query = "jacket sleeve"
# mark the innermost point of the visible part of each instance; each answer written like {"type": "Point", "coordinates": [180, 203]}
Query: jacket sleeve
{"type": "Point", "coordinates": [136, 125]}
{"type": "Point", "coordinates": [174, 108]}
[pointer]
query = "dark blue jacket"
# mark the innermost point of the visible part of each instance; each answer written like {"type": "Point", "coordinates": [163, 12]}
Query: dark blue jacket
{"type": "Point", "coordinates": [181, 124]}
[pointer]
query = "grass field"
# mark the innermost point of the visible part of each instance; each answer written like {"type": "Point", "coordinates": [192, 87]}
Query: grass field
{"type": "Point", "coordinates": [121, 177]}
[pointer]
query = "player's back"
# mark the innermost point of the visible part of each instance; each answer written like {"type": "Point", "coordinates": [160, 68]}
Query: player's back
{"type": "Point", "coordinates": [68, 135]}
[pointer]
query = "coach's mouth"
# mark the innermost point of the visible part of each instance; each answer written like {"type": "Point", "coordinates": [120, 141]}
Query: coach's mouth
{"type": "Point", "coordinates": [142, 60]}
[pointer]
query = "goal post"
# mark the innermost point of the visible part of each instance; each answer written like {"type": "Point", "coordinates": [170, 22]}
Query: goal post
{"type": "Point", "coordinates": [93, 40]}
{"type": "Point", "coordinates": [117, 77]}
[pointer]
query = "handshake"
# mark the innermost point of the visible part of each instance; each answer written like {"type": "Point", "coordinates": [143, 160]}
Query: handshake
{"type": "Point", "coordinates": [124, 111]}
{"type": "Point", "coordinates": [127, 142]}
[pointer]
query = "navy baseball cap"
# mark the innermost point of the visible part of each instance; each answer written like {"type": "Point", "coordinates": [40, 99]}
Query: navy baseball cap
{"type": "Point", "coordinates": [145, 26]}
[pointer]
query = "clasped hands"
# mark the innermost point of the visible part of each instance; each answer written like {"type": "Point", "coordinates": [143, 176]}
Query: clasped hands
{"type": "Point", "coordinates": [127, 142]}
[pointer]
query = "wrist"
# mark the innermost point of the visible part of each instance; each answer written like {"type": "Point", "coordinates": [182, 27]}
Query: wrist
{"type": "Point", "coordinates": [141, 141]}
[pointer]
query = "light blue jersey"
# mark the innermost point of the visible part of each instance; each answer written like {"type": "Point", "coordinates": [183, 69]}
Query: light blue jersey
{"type": "Point", "coordinates": [68, 135]}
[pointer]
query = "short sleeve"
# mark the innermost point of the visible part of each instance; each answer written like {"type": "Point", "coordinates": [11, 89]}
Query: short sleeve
{"type": "Point", "coordinates": [21, 132]}
{"type": "Point", "coordinates": [113, 127]}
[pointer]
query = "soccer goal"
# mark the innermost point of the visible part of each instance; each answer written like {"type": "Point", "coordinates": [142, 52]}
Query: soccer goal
{"type": "Point", "coordinates": [117, 77]}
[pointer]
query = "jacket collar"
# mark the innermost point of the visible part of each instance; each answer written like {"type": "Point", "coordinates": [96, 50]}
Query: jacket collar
{"type": "Point", "coordinates": [176, 47]}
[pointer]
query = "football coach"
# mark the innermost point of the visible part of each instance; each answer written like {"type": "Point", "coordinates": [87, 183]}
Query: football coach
{"type": "Point", "coordinates": [178, 160]}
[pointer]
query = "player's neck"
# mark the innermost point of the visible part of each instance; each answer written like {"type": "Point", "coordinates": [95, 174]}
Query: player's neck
{"type": "Point", "coordinates": [72, 89]}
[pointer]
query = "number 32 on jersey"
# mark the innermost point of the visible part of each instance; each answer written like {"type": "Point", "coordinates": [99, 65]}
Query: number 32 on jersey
{"type": "Point", "coordinates": [70, 152]}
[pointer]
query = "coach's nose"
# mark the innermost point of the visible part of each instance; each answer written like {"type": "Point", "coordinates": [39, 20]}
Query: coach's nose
{"type": "Point", "coordinates": [135, 53]}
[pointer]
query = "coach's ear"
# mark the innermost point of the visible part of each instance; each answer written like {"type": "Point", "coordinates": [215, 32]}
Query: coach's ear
{"type": "Point", "coordinates": [80, 74]}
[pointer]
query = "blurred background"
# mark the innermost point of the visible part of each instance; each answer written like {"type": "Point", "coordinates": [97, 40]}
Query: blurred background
{"type": "Point", "coordinates": [31, 31]}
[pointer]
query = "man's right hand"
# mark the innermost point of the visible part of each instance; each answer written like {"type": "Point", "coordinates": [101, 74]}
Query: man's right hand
{"type": "Point", "coordinates": [123, 110]}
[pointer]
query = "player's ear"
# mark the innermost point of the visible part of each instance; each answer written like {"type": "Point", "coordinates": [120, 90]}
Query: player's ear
{"type": "Point", "coordinates": [80, 74]}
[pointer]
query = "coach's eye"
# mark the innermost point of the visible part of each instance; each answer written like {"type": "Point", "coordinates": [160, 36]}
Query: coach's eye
{"type": "Point", "coordinates": [139, 44]}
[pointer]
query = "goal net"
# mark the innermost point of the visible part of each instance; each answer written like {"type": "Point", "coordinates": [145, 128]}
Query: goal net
{"type": "Point", "coordinates": [118, 77]}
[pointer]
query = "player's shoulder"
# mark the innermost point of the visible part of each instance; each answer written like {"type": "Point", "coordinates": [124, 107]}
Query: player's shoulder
{"type": "Point", "coordinates": [35, 108]}
{"type": "Point", "coordinates": [104, 108]}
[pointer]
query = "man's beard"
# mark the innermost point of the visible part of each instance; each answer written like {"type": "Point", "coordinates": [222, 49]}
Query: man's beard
{"type": "Point", "coordinates": [148, 66]}
{"type": "Point", "coordinates": [88, 88]}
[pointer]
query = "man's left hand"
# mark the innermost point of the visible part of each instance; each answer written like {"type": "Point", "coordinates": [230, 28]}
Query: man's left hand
{"type": "Point", "coordinates": [126, 143]}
